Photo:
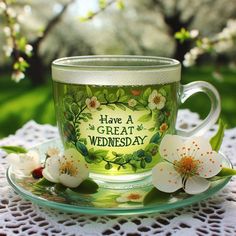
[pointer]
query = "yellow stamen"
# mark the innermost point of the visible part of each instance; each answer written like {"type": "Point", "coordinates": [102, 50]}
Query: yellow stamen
{"type": "Point", "coordinates": [187, 166]}
{"type": "Point", "coordinates": [69, 168]}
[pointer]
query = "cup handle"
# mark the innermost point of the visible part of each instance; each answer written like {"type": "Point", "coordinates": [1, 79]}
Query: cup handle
{"type": "Point", "coordinates": [195, 87]}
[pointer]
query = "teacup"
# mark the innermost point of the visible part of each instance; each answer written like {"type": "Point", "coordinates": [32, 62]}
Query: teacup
{"type": "Point", "coordinates": [115, 110]}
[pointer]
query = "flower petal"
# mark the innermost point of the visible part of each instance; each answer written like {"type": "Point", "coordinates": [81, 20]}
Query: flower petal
{"type": "Point", "coordinates": [196, 184]}
{"type": "Point", "coordinates": [210, 164]}
{"type": "Point", "coordinates": [51, 170]}
{"type": "Point", "coordinates": [70, 181]}
{"type": "Point", "coordinates": [73, 154]}
{"type": "Point", "coordinates": [48, 176]}
{"type": "Point", "coordinates": [152, 96]}
{"type": "Point", "coordinates": [151, 105]}
{"type": "Point", "coordinates": [197, 145]}
{"type": "Point", "coordinates": [162, 102]}
{"type": "Point", "coordinates": [170, 147]}
{"type": "Point", "coordinates": [165, 178]}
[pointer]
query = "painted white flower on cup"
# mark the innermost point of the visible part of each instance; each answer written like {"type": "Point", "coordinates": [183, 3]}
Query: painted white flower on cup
{"type": "Point", "coordinates": [188, 165]}
{"type": "Point", "coordinates": [69, 169]}
{"type": "Point", "coordinates": [24, 163]}
{"type": "Point", "coordinates": [132, 102]}
{"type": "Point", "coordinates": [156, 100]}
{"type": "Point", "coordinates": [134, 196]}
{"type": "Point", "coordinates": [92, 103]}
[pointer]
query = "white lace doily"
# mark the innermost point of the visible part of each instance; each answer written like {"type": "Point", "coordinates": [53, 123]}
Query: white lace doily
{"type": "Point", "coordinates": [215, 216]}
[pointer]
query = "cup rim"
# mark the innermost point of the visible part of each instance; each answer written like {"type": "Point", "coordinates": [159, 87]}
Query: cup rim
{"type": "Point", "coordinates": [101, 62]}
{"type": "Point", "coordinates": [143, 70]}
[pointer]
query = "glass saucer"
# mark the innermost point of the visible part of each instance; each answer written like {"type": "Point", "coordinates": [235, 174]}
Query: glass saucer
{"type": "Point", "coordinates": [107, 201]}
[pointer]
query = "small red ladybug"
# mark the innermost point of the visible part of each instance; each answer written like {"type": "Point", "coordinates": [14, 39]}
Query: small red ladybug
{"type": "Point", "coordinates": [37, 173]}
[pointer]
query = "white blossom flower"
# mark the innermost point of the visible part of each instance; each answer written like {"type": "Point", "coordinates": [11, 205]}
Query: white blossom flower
{"type": "Point", "coordinates": [2, 6]}
{"type": "Point", "coordinates": [194, 33]}
{"type": "Point", "coordinates": [8, 50]}
{"type": "Point", "coordinates": [17, 76]}
{"type": "Point", "coordinates": [7, 31]}
{"type": "Point", "coordinates": [188, 165]}
{"type": "Point", "coordinates": [69, 169]}
{"type": "Point", "coordinates": [11, 12]}
{"type": "Point", "coordinates": [24, 163]}
{"type": "Point", "coordinates": [188, 60]}
{"type": "Point", "coordinates": [133, 196]}
{"type": "Point", "coordinates": [92, 103]}
{"type": "Point", "coordinates": [156, 100]}
{"type": "Point", "coordinates": [132, 102]}
{"type": "Point", "coordinates": [28, 49]}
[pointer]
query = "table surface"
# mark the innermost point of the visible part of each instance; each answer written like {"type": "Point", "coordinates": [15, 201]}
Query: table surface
{"type": "Point", "coordinates": [215, 216]}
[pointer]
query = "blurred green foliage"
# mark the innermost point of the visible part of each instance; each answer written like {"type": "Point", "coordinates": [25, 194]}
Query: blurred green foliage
{"type": "Point", "coordinates": [21, 102]}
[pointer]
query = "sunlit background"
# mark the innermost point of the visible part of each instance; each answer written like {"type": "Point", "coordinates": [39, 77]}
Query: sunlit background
{"type": "Point", "coordinates": [201, 34]}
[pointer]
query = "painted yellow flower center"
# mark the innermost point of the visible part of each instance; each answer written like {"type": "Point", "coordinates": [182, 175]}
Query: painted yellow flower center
{"type": "Point", "coordinates": [187, 166]}
{"type": "Point", "coordinates": [163, 127]}
{"type": "Point", "coordinates": [156, 99]}
{"type": "Point", "coordinates": [68, 168]}
{"type": "Point", "coordinates": [134, 196]}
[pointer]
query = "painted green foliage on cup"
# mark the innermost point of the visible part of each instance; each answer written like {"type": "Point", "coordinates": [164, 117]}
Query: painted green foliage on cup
{"type": "Point", "coordinates": [80, 102]}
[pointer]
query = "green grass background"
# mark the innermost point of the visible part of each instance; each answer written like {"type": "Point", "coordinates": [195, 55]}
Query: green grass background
{"type": "Point", "coordinates": [21, 102]}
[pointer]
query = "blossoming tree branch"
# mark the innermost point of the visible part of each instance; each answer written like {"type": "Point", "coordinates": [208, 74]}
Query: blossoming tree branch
{"type": "Point", "coordinates": [24, 53]}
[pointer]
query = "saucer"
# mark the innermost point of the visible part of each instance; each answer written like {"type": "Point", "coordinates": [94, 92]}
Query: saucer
{"type": "Point", "coordinates": [106, 201]}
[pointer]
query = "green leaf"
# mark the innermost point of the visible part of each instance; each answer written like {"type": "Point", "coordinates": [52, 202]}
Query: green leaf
{"type": "Point", "coordinates": [69, 116]}
{"type": "Point", "coordinates": [13, 149]}
{"type": "Point", "coordinates": [120, 92]}
{"type": "Point", "coordinates": [79, 96]}
{"type": "Point", "coordinates": [101, 153]}
{"type": "Point", "coordinates": [112, 97]}
{"type": "Point", "coordinates": [122, 107]}
{"type": "Point", "coordinates": [108, 166]}
{"type": "Point", "coordinates": [44, 183]}
{"type": "Point", "coordinates": [217, 139]}
{"type": "Point", "coordinates": [82, 148]}
{"type": "Point", "coordinates": [89, 91]}
{"type": "Point", "coordinates": [88, 186]}
{"type": "Point", "coordinates": [226, 172]}
{"type": "Point", "coordinates": [155, 138]}
{"type": "Point", "coordinates": [119, 160]}
{"type": "Point", "coordinates": [143, 164]}
{"type": "Point", "coordinates": [146, 117]}
{"type": "Point", "coordinates": [148, 158]}
{"type": "Point", "coordinates": [75, 108]}
{"type": "Point", "coordinates": [68, 99]}
{"type": "Point", "coordinates": [147, 93]}
{"type": "Point", "coordinates": [162, 92]}
{"type": "Point", "coordinates": [182, 35]}
{"type": "Point", "coordinates": [124, 99]}
{"type": "Point", "coordinates": [155, 196]}
{"type": "Point", "coordinates": [120, 5]}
